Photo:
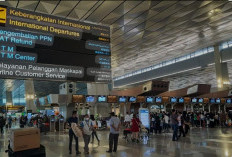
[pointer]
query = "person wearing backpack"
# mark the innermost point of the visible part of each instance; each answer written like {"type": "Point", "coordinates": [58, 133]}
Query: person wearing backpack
{"type": "Point", "coordinates": [87, 129]}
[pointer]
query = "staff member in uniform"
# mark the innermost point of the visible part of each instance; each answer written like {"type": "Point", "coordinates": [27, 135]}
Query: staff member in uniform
{"type": "Point", "coordinates": [71, 120]}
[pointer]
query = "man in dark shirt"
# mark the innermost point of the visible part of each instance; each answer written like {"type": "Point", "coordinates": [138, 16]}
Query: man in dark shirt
{"type": "Point", "coordinates": [71, 120]}
{"type": "Point", "coordinates": [174, 124]}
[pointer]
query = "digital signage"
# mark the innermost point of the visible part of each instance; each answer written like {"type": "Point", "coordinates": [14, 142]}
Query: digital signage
{"type": "Point", "coordinates": [78, 99]}
{"type": "Point", "coordinates": [101, 99]}
{"type": "Point", "coordinates": [122, 99]}
{"type": "Point", "coordinates": [228, 101]}
{"type": "Point", "coordinates": [181, 100]}
{"type": "Point", "coordinates": [212, 100]}
{"type": "Point", "coordinates": [218, 100]}
{"type": "Point", "coordinates": [158, 99]}
{"type": "Point", "coordinates": [112, 99]}
{"type": "Point", "coordinates": [132, 99]}
{"type": "Point", "coordinates": [194, 100]}
{"type": "Point", "coordinates": [200, 100]}
{"type": "Point", "coordinates": [149, 99]}
{"type": "Point", "coordinates": [173, 99]}
{"type": "Point", "coordinates": [27, 36]}
{"type": "Point", "coordinates": [90, 98]}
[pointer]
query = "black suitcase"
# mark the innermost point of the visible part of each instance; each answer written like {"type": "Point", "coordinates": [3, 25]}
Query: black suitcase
{"type": "Point", "coordinates": [38, 152]}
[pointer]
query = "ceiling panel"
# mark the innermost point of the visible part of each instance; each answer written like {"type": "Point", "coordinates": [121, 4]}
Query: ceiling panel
{"type": "Point", "coordinates": [46, 6]}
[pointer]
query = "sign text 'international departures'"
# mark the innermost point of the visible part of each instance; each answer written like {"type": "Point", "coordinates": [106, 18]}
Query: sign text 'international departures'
{"type": "Point", "coordinates": [27, 20]}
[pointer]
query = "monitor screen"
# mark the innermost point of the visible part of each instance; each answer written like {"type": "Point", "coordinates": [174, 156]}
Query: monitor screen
{"type": "Point", "coordinates": [194, 100]}
{"type": "Point", "coordinates": [90, 98]}
{"type": "Point", "coordinates": [112, 99]}
{"type": "Point", "coordinates": [122, 99]}
{"type": "Point", "coordinates": [149, 99]}
{"type": "Point", "coordinates": [158, 99]}
{"type": "Point", "coordinates": [200, 100]}
{"type": "Point", "coordinates": [173, 99]}
{"type": "Point", "coordinates": [228, 101]}
{"type": "Point", "coordinates": [212, 100]}
{"type": "Point", "coordinates": [181, 100]}
{"type": "Point", "coordinates": [218, 100]}
{"type": "Point", "coordinates": [101, 99]}
{"type": "Point", "coordinates": [132, 99]}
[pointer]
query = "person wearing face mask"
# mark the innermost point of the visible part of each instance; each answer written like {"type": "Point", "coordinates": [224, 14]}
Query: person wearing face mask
{"type": "Point", "coordinates": [87, 129]}
{"type": "Point", "coordinates": [71, 120]}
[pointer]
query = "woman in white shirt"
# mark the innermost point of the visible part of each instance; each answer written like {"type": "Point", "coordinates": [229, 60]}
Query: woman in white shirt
{"type": "Point", "coordinates": [94, 133]}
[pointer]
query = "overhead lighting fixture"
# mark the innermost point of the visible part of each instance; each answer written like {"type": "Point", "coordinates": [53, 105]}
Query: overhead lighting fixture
{"type": "Point", "coordinates": [2, 0]}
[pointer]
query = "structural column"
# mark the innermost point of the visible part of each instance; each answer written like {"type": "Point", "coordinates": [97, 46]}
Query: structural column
{"type": "Point", "coordinates": [191, 107]}
{"type": "Point", "coordinates": [30, 95]}
{"type": "Point", "coordinates": [221, 70]}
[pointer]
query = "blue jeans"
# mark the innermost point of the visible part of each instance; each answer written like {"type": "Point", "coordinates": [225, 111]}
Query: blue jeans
{"type": "Point", "coordinates": [175, 131]}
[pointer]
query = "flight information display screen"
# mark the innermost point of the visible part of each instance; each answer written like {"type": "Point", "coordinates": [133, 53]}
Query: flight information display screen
{"type": "Point", "coordinates": [42, 40]}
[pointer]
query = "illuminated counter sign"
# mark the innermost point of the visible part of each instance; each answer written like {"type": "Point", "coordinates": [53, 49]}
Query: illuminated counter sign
{"type": "Point", "coordinates": [39, 71]}
{"type": "Point", "coordinates": [24, 38]}
{"type": "Point", "coordinates": [97, 45]}
{"type": "Point", "coordinates": [18, 56]}
{"type": "Point", "coordinates": [23, 19]}
{"type": "Point", "coordinates": [101, 75]}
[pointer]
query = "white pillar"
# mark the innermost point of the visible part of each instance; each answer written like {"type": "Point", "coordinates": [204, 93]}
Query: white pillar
{"type": "Point", "coordinates": [203, 107]}
{"type": "Point", "coordinates": [191, 107]}
{"type": "Point", "coordinates": [184, 107]}
{"type": "Point", "coordinates": [219, 108]}
{"type": "Point", "coordinates": [172, 105]}
{"type": "Point", "coordinates": [165, 107]}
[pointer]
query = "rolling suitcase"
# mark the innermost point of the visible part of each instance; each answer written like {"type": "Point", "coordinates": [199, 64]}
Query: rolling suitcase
{"type": "Point", "coordinates": [38, 152]}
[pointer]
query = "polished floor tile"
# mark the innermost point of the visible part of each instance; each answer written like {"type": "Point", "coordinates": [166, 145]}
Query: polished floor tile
{"type": "Point", "coordinates": [200, 142]}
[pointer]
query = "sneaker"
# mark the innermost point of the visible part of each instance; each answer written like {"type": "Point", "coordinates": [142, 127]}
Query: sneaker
{"type": "Point", "coordinates": [115, 151]}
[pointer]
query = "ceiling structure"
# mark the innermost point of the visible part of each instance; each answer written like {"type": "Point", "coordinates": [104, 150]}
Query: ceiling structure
{"type": "Point", "coordinates": [145, 33]}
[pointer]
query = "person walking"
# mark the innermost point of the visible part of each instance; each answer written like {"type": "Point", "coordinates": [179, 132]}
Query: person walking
{"type": "Point", "coordinates": [114, 133]}
{"type": "Point", "coordinates": [87, 128]}
{"type": "Point", "coordinates": [174, 123]}
{"type": "Point", "coordinates": [94, 133]}
{"type": "Point", "coordinates": [71, 120]}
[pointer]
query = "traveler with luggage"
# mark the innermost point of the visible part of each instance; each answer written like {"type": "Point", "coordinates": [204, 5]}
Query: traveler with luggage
{"type": "Point", "coordinates": [174, 123]}
{"type": "Point", "coordinates": [71, 120]}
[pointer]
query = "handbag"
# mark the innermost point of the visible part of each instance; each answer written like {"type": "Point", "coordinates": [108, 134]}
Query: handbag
{"type": "Point", "coordinates": [76, 130]}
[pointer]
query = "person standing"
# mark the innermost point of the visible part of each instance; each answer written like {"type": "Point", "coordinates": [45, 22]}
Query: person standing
{"type": "Point", "coordinates": [2, 123]}
{"type": "Point", "coordinates": [127, 119]}
{"type": "Point", "coordinates": [94, 133]}
{"type": "Point", "coordinates": [9, 122]}
{"type": "Point", "coordinates": [71, 120]}
{"type": "Point", "coordinates": [114, 132]}
{"type": "Point", "coordinates": [135, 129]}
{"type": "Point", "coordinates": [180, 124]}
{"type": "Point", "coordinates": [22, 122]}
{"type": "Point", "coordinates": [87, 128]}
{"type": "Point", "coordinates": [174, 123]}
{"type": "Point", "coordinates": [166, 123]}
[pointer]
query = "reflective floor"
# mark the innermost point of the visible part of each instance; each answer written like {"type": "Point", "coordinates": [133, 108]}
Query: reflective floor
{"type": "Point", "coordinates": [216, 142]}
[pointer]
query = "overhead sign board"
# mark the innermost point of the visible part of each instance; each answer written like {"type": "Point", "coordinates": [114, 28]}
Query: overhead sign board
{"type": "Point", "coordinates": [27, 20]}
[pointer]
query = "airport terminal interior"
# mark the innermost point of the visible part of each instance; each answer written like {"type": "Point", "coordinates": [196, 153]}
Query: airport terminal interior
{"type": "Point", "coordinates": [115, 78]}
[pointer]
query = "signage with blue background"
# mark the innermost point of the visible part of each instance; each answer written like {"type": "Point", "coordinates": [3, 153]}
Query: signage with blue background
{"type": "Point", "coordinates": [144, 117]}
{"type": "Point", "coordinates": [90, 98]}
{"type": "Point", "coordinates": [200, 100]}
{"type": "Point", "coordinates": [101, 98]}
{"type": "Point", "coordinates": [149, 99]}
{"type": "Point", "coordinates": [181, 100]}
{"type": "Point", "coordinates": [132, 99]}
{"type": "Point", "coordinates": [122, 99]}
{"type": "Point", "coordinates": [173, 99]}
